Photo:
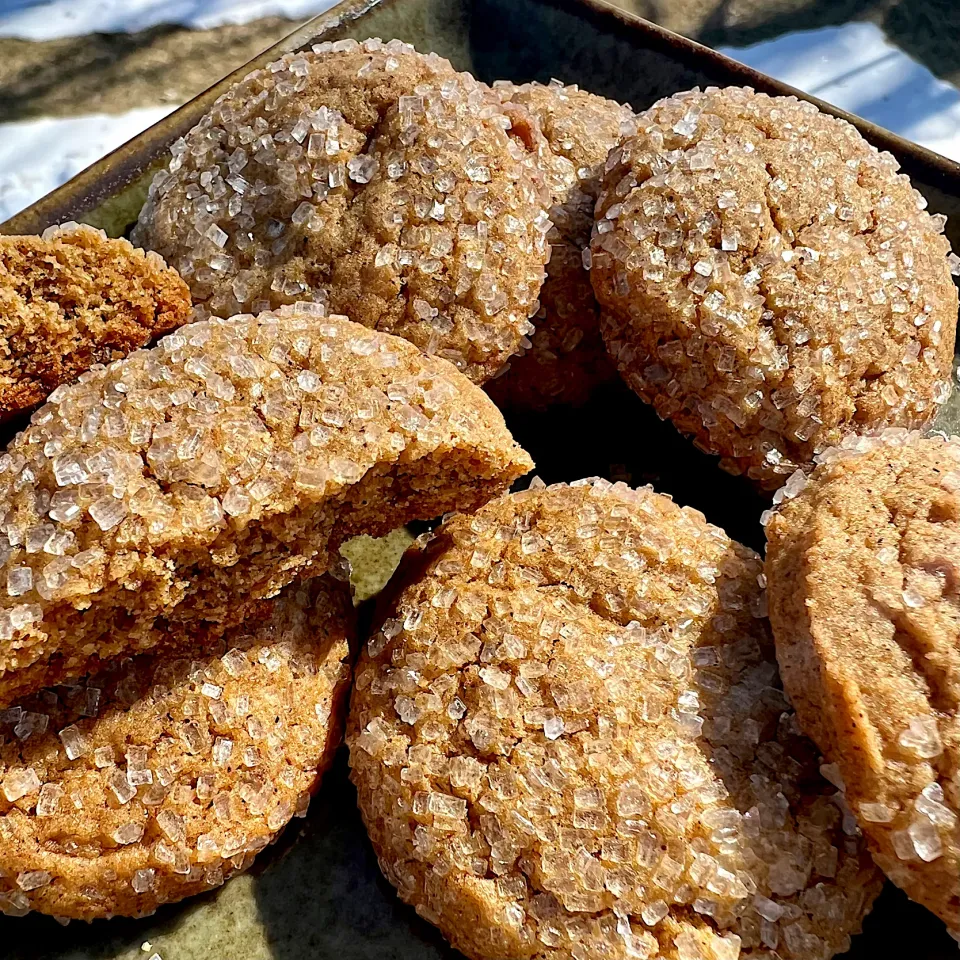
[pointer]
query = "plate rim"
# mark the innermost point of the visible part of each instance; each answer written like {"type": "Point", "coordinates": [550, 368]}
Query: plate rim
{"type": "Point", "coordinates": [109, 176]}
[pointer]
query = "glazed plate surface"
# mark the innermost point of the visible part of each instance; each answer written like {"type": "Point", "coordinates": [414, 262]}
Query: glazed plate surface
{"type": "Point", "coordinates": [318, 893]}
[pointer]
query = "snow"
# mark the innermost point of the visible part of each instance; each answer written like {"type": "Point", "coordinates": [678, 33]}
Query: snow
{"type": "Point", "coordinates": [50, 19]}
{"type": "Point", "coordinates": [856, 68]}
{"type": "Point", "coordinates": [38, 155]}
{"type": "Point", "coordinates": [853, 66]}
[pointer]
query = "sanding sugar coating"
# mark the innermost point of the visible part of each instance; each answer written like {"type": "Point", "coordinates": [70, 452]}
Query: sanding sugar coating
{"type": "Point", "coordinates": [863, 563]}
{"type": "Point", "coordinates": [72, 298]}
{"type": "Point", "coordinates": [371, 179]}
{"type": "Point", "coordinates": [187, 481]}
{"type": "Point", "coordinates": [572, 134]}
{"type": "Point", "coordinates": [569, 740]}
{"type": "Point", "coordinates": [160, 777]}
{"type": "Point", "coordinates": [770, 283]}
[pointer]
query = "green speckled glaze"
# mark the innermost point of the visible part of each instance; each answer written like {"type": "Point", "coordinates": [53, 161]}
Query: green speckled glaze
{"type": "Point", "coordinates": [317, 893]}
{"type": "Point", "coordinates": [372, 562]}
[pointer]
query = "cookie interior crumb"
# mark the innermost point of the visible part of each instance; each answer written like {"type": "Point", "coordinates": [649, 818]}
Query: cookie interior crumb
{"type": "Point", "coordinates": [187, 481]}
{"type": "Point", "coordinates": [71, 299]}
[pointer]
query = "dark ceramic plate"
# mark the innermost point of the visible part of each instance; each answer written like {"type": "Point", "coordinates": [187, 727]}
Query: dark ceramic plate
{"type": "Point", "coordinates": [318, 893]}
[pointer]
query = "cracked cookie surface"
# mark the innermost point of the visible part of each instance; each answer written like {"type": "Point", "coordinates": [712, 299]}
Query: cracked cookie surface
{"type": "Point", "coordinates": [770, 282]}
{"type": "Point", "coordinates": [864, 583]}
{"type": "Point", "coordinates": [371, 179]}
{"type": "Point", "coordinates": [569, 740]}
{"type": "Point", "coordinates": [163, 775]}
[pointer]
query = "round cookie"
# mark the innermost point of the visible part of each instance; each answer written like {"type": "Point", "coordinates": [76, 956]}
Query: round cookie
{"type": "Point", "coordinates": [569, 740]}
{"type": "Point", "coordinates": [368, 178]}
{"type": "Point", "coordinates": [573, 133]}
{"type": "Point", "coordinates": [73, 298]}
{"type": "Point", "coordinates": [769, 282]}
{"type": "Point", "coordinates": [161, 777]}
{"type": "Point", "coordinates": [863, 564]}
{"type": "Point", "coordinates": [186, 482]}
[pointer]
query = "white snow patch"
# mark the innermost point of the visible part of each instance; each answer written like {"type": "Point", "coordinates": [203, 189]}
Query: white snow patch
{"type": "Point", "coordinates": [856, 68]}
{"type": "Point", "coordinates": [38, 155]}
{"type": "Point", "coordinates": [50, 19]}
{"type": "Point", "coordinates": [853, 66]}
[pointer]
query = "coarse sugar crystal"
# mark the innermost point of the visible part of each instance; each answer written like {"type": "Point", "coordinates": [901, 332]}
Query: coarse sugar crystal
{"type": "Point", "coordinates": [268, 200]}
{"type": "Point", "coordinates": [563, 700]}
{"type": "Point", "coordinates": [225, 425]}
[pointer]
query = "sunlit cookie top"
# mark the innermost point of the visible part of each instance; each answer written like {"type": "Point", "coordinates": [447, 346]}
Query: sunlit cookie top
{"type": "Point", "coordinates": [368, 178]}
{"type": "Point", "coordinates": [569, 740]}
{"type": "Point", "coordinates": [771, 283]}
{"type": "Point", "coordinates": [187, 480]}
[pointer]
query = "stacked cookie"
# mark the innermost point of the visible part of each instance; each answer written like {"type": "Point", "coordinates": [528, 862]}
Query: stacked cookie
{"type": "Point", "coordinates": [567, 728]}
{"type": "Point", "coordinates": [171, 694]}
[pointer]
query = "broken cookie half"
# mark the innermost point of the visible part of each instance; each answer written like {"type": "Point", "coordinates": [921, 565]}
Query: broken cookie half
{"type": "Point", "coordinates": [187, 482]}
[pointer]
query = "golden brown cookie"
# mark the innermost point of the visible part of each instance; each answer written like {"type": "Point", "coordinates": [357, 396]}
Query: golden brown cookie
{"type": "Point", "coordinates": [569, 741]}
{"type": "Point", "coordinates": [73, 298]}
{"type": "Point", "coordinates": [863, 564]}
{"type": "Point", "coordinates": [770, 282]}
{"type": "Point", "coordinates": [368, 178]}
{"type": "Point", "coordinates": [188, 481]}
{"type": "Point", "coordinates": [573, 133]}
{"type": "Point", "coordinates": [161, 777]}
